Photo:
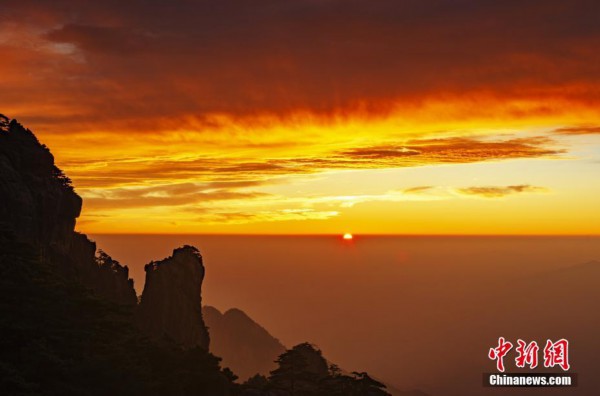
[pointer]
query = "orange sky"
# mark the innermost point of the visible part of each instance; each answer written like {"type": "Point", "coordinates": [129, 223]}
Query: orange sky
{"type": "Point", "coordinates": [314, 116]}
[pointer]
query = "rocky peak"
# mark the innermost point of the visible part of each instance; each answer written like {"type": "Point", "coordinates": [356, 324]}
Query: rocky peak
{"type": "Point", "coordinates": [170, 306]}
{"type": "Point", "coordinates": [38, 202]}
{"type": "Point", "coordinates": [39, 206]}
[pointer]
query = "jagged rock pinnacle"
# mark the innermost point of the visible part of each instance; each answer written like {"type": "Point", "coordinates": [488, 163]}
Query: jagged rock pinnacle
{"type": "Point", "coordinates": [171, 302]}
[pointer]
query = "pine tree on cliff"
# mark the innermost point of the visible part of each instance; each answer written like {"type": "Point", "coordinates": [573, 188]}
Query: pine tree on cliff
{"type": "Point", "coordinates": [365, 385]}
{"type": "Point", "coordinates": [303, 371]}
{"type": "Point", "coordinates": [300, 371]}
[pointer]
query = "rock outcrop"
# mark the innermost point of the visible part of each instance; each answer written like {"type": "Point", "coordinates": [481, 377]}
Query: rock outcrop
{"type": "Point", "coordinates": [245, 346]}
{"type": "Point", "coordinates": [39, 206]}
{"type": "Point", "coordinates": [170, 307]}
{"type": "Point", "coordinates": [38, 202]}
{"type": "Point", "coordinates": [60, 335]}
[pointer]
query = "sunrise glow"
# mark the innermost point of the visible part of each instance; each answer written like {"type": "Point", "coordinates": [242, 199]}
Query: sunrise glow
{"type": "Point", "coordinates": [416, 133]}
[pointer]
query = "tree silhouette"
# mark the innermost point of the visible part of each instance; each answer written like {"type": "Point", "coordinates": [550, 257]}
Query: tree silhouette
{"type": "Point", "coordinates": [257, 383]}
{"type": "Point", "coordinates": [60, 176]}
{"type": "Point", "coordinates": [300, 370]}
{"type": "Point", "coordinates": [303, 371]}
{"type": "Point", "coordinates": [4, 122]}
{"type": "Point", "coordinates": [365, 385]}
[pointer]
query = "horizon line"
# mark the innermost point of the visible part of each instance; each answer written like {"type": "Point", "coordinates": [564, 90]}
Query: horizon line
{"type": "Point", "coordinates": [353, 234]}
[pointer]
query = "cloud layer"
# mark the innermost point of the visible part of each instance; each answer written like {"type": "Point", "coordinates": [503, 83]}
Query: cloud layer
{"type": "Point", "coordinates": [579, 130]}
{"type": "Point", "coordinates": [175, 108]}
{"type": "Point", "coordinates": [414, 152]}
{"type": "Point", "coordinates": [149, 63]}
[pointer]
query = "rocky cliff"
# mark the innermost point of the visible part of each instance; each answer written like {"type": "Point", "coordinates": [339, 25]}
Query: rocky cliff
{"type": "Point", "coordinates": [171, 302]}
{"type": "Point", "coordinates": [39, 206]}
{"type": "Point", "coordinates": [245, 346]}
{"type": "Point", "coordinates": [68, 313]}
{"type": "Point", "coordinates": [38, 203]}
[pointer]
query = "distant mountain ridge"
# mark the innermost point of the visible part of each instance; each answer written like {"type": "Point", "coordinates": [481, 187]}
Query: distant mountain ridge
{"type": "Point", "coordinates": [249, 349]}
{"type": "Point", "coordinates": [245, 346]}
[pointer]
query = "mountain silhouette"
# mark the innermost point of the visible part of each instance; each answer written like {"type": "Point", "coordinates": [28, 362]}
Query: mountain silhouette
{"type": "Point", "coordinates": [245, 346]}
{"type": "Point", "coordinates": [70, 322]}
{"type": "Point", "coordinates": [171, 302]}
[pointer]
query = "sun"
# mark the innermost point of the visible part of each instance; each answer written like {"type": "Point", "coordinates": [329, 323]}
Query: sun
{"type": "Point", "coordinates": [348, 236]}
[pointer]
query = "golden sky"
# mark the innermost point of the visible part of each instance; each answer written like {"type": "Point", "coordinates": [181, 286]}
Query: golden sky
{"type": "Point", "coordinates": [330, 116]}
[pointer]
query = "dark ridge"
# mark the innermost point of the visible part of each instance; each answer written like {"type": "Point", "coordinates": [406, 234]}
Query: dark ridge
{"type": "Point", "coordinates": [245, 346]}
{"type": "Point", "coordinates": [70, 323]}
{"type": "Point", "coordinates": [67, 311]}
{"type": "Point", "coordinates": [39, 207]}
{"type": "Point", "coordinates": [171, 302]}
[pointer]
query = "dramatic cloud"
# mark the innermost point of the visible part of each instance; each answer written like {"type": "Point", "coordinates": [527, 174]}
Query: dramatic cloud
{"type": "Point", "coordinates": [453, 150]}
{"type": "Point", "coordinates": [222, 110]}
{"type": "Point", "coordinates": [154, 64]}
{"type": "Point", "coordinates": [416, 152]}
{"type": "Point", "coordinates": [499, 192]}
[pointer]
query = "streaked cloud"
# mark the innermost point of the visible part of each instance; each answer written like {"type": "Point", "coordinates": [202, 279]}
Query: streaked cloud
{"type": "Point", "coordinates": [415, 152]}
{"type": "Point", "coordinates": [418, 190]}
{"type": "Point", "coordinates": [454, 150]}
{"type": "Point", "coordinates": [164, 195]}
{"type": "Point", "coordinates": [259, 216]}
{"type": "Point", "coordinates": [499, 192]}
{"type": "Point", "coordinates": [579, 130]}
